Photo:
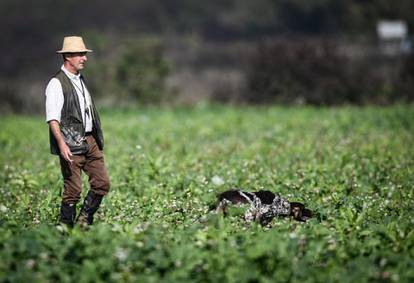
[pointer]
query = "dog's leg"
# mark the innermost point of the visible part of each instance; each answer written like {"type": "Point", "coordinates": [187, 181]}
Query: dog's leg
{"type": "Point", "coordinates": [222, 207]}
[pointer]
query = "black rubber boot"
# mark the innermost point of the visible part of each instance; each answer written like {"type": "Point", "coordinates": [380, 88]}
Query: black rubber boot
{"type": "Point", "coordinates": [67, 213]}
{"type": "Point", "coordinates": [90, 206]}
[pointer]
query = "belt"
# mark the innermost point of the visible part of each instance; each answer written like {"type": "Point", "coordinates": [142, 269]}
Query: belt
{"type": "Point", "coordinates": [88, 134]}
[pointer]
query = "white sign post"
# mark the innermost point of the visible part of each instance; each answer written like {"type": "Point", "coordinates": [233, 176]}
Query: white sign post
{"type": "Point", "coordinates": [392, 35]}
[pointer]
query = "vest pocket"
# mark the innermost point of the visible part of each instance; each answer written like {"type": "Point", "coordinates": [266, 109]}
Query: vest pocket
{"type": "Point", "coordinates": [74, 138]}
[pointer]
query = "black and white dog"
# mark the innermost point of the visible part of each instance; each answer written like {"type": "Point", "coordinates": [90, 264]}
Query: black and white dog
{"type": "Point", "coordinates": [263, 206]}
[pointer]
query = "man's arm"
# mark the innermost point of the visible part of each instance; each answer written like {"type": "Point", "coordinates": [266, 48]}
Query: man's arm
{"type": "Point", "coordinates": [64, 149]}
{"type": "Point", "coordinates": [54, 104]}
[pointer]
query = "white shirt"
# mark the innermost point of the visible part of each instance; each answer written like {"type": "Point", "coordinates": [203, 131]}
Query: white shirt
{"type": "Point", "coordinates": [55, 99]}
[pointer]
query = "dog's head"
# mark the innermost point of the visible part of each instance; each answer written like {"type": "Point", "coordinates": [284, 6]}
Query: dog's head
{"type": "Point", "coordinates": [299, 212]}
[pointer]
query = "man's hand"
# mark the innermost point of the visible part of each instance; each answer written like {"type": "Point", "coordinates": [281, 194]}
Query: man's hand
{"type": "Point", "coordinates": [64, 149]}
{"type": "Point", "coordinates": [65, 152]}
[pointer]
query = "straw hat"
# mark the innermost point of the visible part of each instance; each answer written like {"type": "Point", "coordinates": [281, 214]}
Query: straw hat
{"type": "Point", "coordinates": [73, 44]}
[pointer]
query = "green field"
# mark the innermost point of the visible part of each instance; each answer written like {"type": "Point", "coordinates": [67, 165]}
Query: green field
{"type": "Point", "coordinates": [353, 166]}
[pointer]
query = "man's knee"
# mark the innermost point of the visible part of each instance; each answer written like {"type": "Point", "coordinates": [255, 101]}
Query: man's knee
{"type": "Point", "coordinates": [101, 186]}
{"type": "Point", "coordinates": [72, 190]}
{"type": "Point", "coordinates": [106, 185]}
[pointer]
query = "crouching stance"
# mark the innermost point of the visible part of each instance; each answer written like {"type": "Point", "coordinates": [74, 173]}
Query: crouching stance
{"type": "Point", "coordinates": [76, 135]}
{"type": "Point", "coordinates": [263, 206]}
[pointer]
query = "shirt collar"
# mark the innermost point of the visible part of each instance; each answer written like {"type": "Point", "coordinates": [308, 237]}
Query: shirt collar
{"type": "Point", "coordinates": [69, 74]}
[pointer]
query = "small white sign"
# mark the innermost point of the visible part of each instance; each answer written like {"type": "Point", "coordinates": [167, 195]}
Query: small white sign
{"type": "Point", "coordinates": [392, 29]}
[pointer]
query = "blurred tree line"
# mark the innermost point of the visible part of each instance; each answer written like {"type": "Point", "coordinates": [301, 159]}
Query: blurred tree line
{"type": "Point", "coordinates": [33, 30]}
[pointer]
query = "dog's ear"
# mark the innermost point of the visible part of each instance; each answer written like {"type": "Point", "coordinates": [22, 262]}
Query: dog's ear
{"type": "Point", "coordinates": [296, 209]}
{"type": "Point", "coordinates": [299, 212]}
{"type": "Point", "coordinates": [294, 206]}
{"type": "Point", "coordinates": [307, 213]}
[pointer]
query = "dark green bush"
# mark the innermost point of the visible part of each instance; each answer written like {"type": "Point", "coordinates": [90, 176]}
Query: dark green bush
{"type": "Point", "coordinates": [322, 72]}
{"type": "Point", "coordinates": [135, 72]}
{"type": "Point", "coordinates": [141, 70]}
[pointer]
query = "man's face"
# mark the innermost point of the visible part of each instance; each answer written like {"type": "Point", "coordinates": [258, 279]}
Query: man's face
{"type": "Point", "coordinates": [77, 60]}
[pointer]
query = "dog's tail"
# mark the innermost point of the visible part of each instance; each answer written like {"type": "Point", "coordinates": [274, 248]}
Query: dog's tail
{"type": "Point", "coordinates": [213, 205]}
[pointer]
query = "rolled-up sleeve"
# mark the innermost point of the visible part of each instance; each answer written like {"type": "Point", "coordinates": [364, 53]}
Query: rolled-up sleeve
{"type": "Point", "coordinates": [54, 100]}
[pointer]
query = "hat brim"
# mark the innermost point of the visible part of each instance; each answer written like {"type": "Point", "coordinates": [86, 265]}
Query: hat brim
{"type": "Point", "coordinates": [73, 51]}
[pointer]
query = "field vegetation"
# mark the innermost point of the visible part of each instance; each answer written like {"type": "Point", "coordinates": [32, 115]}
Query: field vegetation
{"type": "Point", "coordinates": [353, 166]}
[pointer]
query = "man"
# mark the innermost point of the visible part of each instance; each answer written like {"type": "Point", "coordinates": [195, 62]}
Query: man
{"type": "Point", "coordinates": [76, 135]}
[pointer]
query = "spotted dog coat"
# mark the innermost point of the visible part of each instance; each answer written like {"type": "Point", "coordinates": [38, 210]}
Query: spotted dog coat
{"type": "Point", "coordinates": [263, 205]}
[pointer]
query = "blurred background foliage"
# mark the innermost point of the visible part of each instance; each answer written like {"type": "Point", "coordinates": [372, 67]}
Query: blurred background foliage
{"type": "Point", "coordinates": [182, 52]}
{"type": "Point", "coordinates": [135, 70]}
